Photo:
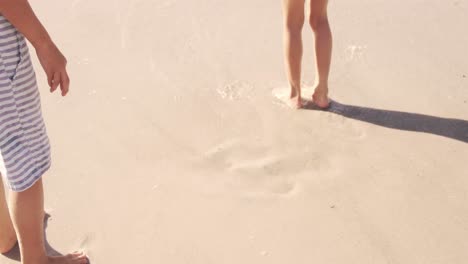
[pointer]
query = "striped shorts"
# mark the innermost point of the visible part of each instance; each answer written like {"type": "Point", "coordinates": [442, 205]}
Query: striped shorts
{"type": "Point", "coordinates": [24, 145]}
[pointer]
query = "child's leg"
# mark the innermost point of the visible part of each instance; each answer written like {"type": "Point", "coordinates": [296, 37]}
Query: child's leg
{"type": "Point", "coordinates": [27, 212]}
{"type": "Point", "coordinates": [293, 23]}
{"type": "Point", "coordinates": [323, 49]}
{"type": "Point", "coordinates": [7, 232]}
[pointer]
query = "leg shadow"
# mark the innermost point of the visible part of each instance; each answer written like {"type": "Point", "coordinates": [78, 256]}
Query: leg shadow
{"type": "Point", "coordinates": [446, 127]}
{"type": "Point", "coordinates": [14, 253]}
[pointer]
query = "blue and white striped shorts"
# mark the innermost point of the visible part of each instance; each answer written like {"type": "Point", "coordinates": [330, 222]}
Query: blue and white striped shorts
{"type": "Point", "coordinates": [24, 145]}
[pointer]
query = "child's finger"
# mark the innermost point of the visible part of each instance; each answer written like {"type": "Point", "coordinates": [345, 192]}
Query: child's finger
{"type": "Point", "coordinates": [55, 82]}
{"type": "Point", "coordinates": [50, 79]}
{"type": "Point", "coordinates": [64, 83]}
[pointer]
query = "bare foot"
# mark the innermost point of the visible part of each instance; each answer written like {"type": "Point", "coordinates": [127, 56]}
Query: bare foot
{"type": "Point", "coordinates": [296, 100]}
{"type": "Point", "coordinates": [320, 97]}
{"type": "Point", "coordinates": [74, 258]}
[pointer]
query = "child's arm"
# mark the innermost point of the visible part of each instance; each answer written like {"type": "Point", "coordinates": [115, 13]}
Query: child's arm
{"type": "Point", "coordinates": [21, 15]}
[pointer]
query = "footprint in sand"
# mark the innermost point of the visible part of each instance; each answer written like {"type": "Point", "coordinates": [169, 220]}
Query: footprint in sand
{"type": "Point", "coordinates": [264, 174]}
{"type": "Point", "coordinates": [252, 169]}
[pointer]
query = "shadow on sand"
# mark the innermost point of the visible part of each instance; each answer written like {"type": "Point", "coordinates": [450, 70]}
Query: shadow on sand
{"type": "Point", "coordinates": [451, 128]}
{"type": "Point", "coordinates": [14, 253]}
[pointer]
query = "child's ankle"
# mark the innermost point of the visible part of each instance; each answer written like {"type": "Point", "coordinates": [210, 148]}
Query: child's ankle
{"type": "Point", "coordinates": [321, 87]}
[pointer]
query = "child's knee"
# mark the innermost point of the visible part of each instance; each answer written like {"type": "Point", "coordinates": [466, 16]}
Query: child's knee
{"type": "Point", "coordinates": [294, 25]}
{"type": "Point", "coordinates": [318, 21]}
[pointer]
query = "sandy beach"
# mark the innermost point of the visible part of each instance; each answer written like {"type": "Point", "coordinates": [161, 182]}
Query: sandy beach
{"type": "Point", "coordinates": [174, 148]}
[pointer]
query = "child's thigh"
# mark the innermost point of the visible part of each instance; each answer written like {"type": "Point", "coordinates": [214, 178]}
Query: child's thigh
{"type": "Point", "coordinates": [318, 9]}
{"type": "Point", "coordinates": [293, 12]}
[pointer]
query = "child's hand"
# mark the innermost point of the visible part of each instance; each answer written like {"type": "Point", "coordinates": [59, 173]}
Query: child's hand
{"type": "Point", "coordinates": [54, 64]}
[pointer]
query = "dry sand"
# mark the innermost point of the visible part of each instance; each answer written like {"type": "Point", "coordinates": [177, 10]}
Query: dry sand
{"type": "Point", "coordinates": [172, 149]}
